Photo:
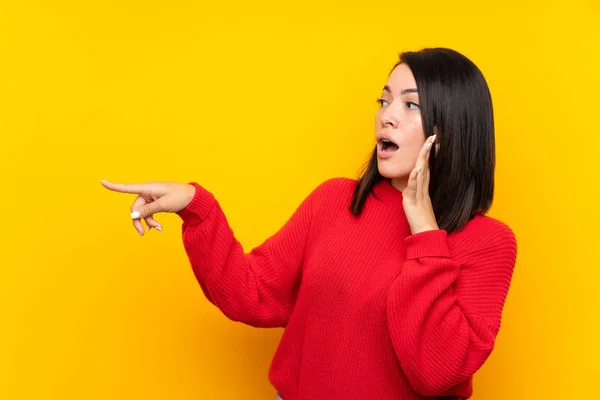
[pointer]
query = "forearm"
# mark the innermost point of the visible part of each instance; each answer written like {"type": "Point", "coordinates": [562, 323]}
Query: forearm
{"type": "Point", "coordinates": [245, 287]}
{"type": "Point", "coordinates": [258, 287]}
{"type": "Point", "coordinates": [440, 333]}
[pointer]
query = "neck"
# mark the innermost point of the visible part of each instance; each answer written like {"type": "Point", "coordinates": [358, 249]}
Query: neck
{"type": "Point", "coordinates": [399, 183]}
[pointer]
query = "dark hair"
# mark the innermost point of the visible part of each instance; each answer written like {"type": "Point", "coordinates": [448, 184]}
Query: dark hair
{"type": "Point", "coordinates": [456, 101]}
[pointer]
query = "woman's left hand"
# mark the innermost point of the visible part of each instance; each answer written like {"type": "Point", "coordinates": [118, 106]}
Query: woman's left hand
{"type": "Point", "coordinates": [416, 200]}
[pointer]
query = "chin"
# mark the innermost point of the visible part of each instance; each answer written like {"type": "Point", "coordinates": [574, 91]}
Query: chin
{"type": "Point", "coordinates": [391, 171]}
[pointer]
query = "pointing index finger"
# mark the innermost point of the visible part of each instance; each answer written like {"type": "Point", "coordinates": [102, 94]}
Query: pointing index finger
{"type": "Point", "coordinates": [133, 188]}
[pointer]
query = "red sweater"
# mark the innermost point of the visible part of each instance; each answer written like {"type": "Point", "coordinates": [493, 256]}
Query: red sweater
{"type": "Point", "coordinates": [370, 311]}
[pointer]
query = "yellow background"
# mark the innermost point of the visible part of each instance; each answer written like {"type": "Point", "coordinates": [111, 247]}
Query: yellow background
{"type": "Point", "coordinates": [260, 102]}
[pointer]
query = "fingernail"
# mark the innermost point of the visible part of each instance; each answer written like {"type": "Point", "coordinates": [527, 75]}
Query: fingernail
{"type": "Point", "coordinates": [418, 169]}
{"type": "Point", "coordinates": [433, 138]}
{"type": "Point", "coordinates": [158, 228]}
{"type": "Point", "coordinates": [135, 214]}
{"type": "Point", "coordinates": [429, 146]}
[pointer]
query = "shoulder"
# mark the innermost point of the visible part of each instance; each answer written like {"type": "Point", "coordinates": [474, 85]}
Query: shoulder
{"type": "Point", "coordinates": [487, 226]}
{"type": "Point", "coordinates": [331, 196]}
{"type": "Point", "coordinates": [337, 184]}
{"type": "Point", "coordinates": [485, 235]}
{"type": "Point", "coordinates": [334, 188]}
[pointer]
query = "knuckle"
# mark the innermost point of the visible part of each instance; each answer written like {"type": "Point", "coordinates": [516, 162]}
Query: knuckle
{"type": "Point", "coordinates": [143, 210]}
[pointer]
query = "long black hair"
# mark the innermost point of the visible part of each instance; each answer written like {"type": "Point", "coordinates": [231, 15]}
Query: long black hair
{"type": "Point", "coordinates": [456, 101]}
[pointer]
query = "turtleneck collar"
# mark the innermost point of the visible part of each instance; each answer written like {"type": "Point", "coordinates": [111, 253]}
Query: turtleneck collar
{"type": "Point", "coordinates": [384, 190]}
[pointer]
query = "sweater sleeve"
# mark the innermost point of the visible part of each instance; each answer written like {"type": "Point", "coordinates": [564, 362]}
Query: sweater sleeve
{"type": "Point", "coordinates": [443, 316]}
{"type": "Point", "coordinates": [259, 287]}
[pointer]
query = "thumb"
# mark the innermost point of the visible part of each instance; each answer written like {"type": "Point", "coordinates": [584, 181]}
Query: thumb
{"type": "Point", "coordinates": [149, 209]}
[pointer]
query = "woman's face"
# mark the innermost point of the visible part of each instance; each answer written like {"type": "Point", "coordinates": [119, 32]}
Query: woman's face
{"type": "Point", "coordinates": [398, 125]}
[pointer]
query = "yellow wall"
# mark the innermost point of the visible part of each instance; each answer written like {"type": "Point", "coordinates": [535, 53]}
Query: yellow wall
{"type": "Point", "coordinates": [260, 103]}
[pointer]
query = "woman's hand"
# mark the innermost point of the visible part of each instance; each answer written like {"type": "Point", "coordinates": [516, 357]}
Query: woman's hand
{"type": "Point", "coordinates": [154, 198]}
{"type": "Point", "coordinates": [416, 200]}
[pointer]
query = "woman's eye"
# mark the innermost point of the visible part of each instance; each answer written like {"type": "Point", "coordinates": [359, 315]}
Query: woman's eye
{"type": "Point", "coordinates": [382, 102]}
{"type": "Point", "coordinates": [412, 105]}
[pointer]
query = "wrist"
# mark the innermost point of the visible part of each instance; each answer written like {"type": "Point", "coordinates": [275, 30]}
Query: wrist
{"type": "Point", "coordinates": [200, 205]}
{"type": "Point", "coordinates": [425, 228]}
{"type": "Point", "coordinates": [190, 193]}
{"type": "Point", "coordinates": [427, 244]}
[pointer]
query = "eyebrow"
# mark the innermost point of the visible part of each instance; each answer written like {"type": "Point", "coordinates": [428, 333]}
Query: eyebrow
{"type": "Point", "coordinates": [405, 91]}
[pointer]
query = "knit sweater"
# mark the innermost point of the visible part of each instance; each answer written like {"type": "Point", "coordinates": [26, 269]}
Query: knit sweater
{"type": "Point", "coordinates": [369, 310]}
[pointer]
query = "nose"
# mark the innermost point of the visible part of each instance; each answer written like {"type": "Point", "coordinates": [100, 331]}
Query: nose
{"type": "Point", "coordinates": [388, 119]}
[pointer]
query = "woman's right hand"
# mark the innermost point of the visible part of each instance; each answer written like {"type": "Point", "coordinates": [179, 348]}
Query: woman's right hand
{"type": "Point", "coordinates": [153, 198]}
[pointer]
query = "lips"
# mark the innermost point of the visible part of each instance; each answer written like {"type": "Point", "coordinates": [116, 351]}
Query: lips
{"type": "Point", "coordinates": [386, 147]}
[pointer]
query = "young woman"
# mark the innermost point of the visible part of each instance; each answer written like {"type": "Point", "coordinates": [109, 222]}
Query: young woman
{"type": "Point", "coordinates": [389, 287]}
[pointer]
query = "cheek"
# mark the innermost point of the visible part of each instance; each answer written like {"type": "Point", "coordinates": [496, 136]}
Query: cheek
{"type": "Point", "coordinates": [413, 140]}
{"type": "Point", "coordinates": [412, 151]}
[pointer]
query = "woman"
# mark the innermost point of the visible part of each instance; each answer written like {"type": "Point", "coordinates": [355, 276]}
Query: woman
{"type": "Point", "coordinates": [389, 287]}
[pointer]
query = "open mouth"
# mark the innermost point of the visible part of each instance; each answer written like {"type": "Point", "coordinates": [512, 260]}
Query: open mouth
{"type": "Point", "coordinates": [388, 146]}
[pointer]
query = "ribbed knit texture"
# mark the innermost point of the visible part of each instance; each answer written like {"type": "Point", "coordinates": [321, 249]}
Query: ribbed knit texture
{"type": "Point", "coordinates": [370, 311]}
